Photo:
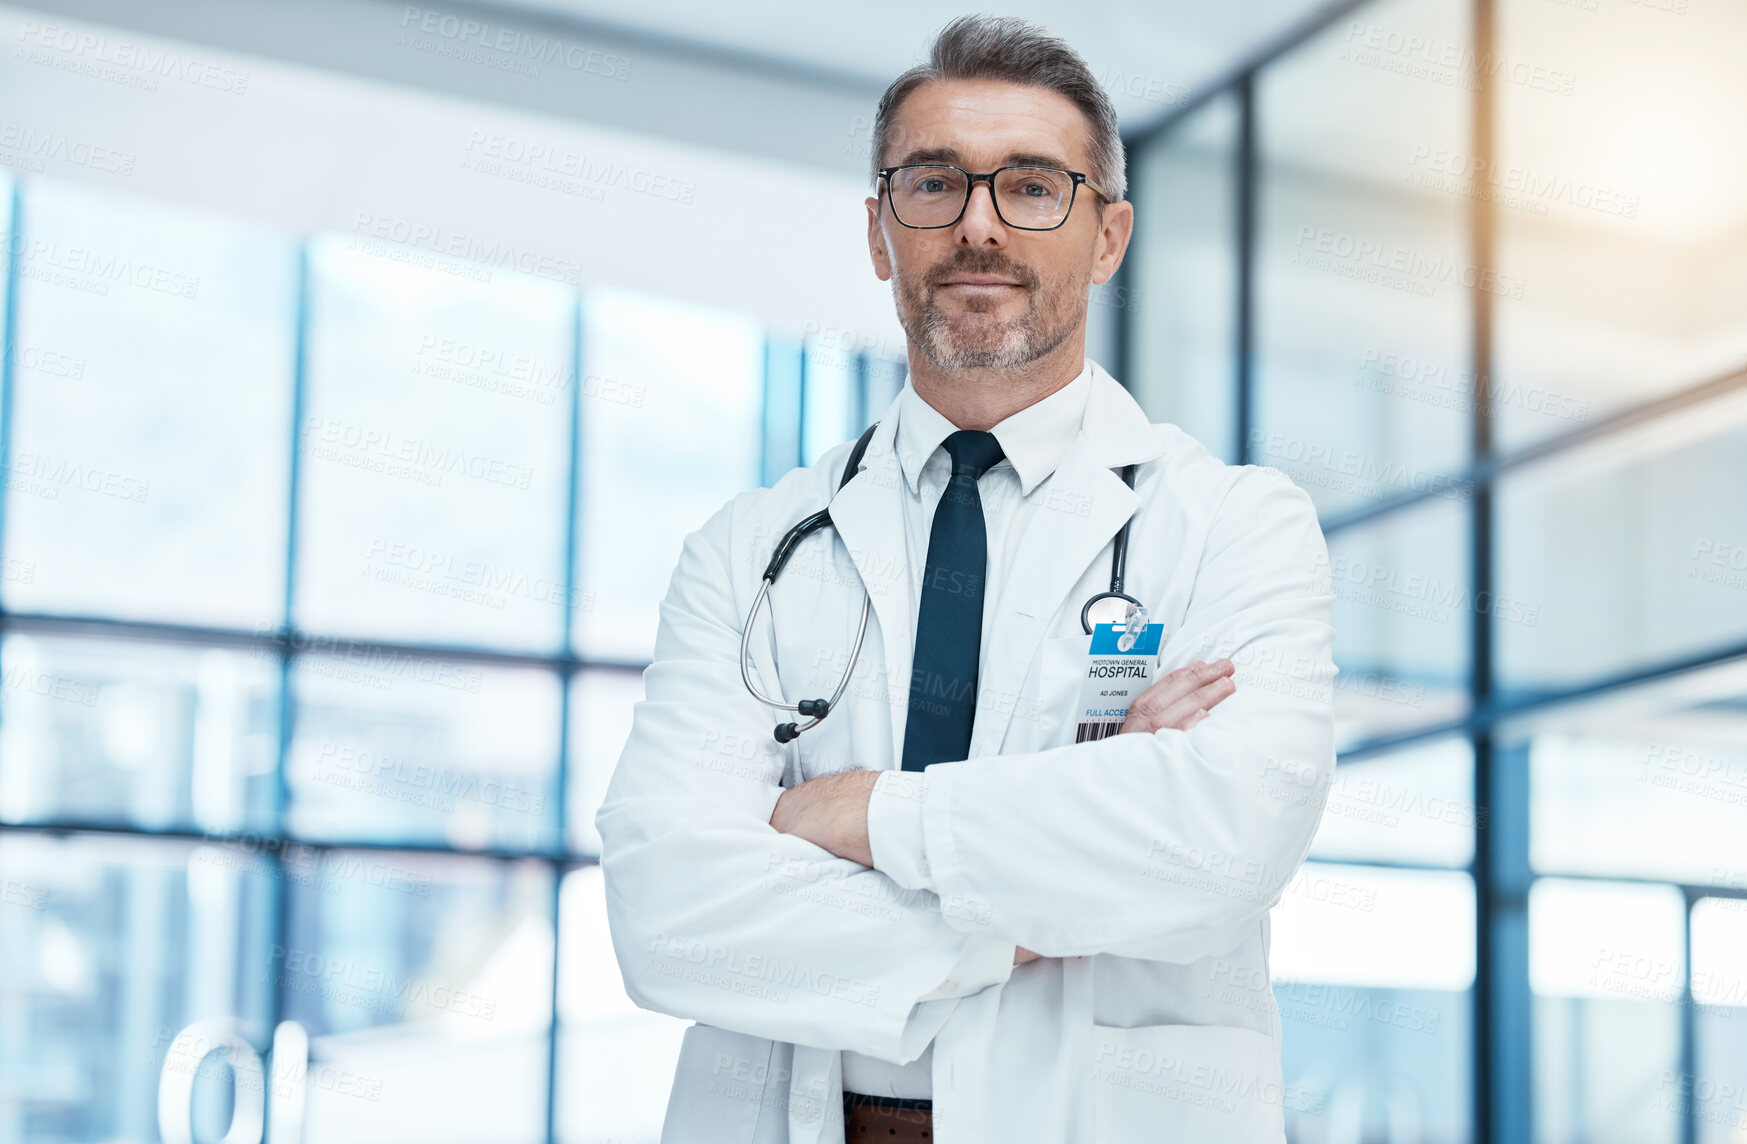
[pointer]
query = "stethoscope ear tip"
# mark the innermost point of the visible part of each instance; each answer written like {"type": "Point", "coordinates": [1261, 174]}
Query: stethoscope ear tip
{"type": "Point", "coordinates": [786, 732]}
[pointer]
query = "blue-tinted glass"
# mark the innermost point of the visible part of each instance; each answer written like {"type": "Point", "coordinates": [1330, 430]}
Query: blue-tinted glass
{"type": "Point", "coordinates": [885, 379]}
{"type": "Point", "coordinates": [1647, 783]}
{"type": "Point", "coordinates": [1606, 963]}
{"type": "Point", "coordinates": [1412, 806]}
{"type": "Point", "coordinates": [150, 414]}
{"type": "Point", "coordinates": [430, 978]}
{"type": "Point", "coordinates": [403, 748]}
{"type": "Point", "coordinates": [615, 1061]}
{"type": "Point", "coordinates": [435, 453]}
{"type": "Point", "coordinates": [672, 437]}
{"type": "Point", "coordinates": [1372, 970]}
{"type": "Point", "coordinates": [1182, 294]}
{"type": "Point", "coordinates": [108, 948]}
{"type": "Point", "coordinates": [1403, 613]}
{"type": "Point", "coordinates": [1625, 553]}
{"type": "Point", "coordinates": [134, 732]}
{"type": "Point", "coordinates": [600, 722]}
{"type": "Point", "coordinates": [782, 414]}
{"type": "Point", "coordinates": [832, 401]}
{"type": "Point", "coordinates": [1363, 277]}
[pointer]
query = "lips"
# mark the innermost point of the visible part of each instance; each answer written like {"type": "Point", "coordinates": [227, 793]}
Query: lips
{"type": "Point", "coordinates": [979, 282]}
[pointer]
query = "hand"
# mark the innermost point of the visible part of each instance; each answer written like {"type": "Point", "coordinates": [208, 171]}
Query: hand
{"type": "Point", "coordinates": [830, 812]}
{"type": "Point", "coordinates": [1181, 699]}
{"type": "Point", "coordinates": [1021, 955]}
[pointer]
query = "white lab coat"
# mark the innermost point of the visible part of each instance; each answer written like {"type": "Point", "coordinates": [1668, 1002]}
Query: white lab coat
{"type": "Point", "coordinates": [1141, 867]}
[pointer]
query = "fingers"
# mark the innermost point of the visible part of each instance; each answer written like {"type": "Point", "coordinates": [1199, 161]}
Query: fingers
{"type": "Point", "coordinates": [1183, 698]}
{"type": "Point", "coordinates": [1179, 684]}
{"type": "Point", "coordinates": [1202, 699]}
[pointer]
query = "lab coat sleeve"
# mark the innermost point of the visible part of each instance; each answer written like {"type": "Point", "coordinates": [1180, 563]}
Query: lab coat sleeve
{"type": "Point", "coordinates": [894, 828]}
{"type": "Point", "coordinates": [717, 917]}
{"type": "Point", "coordinates": [1170, 845]}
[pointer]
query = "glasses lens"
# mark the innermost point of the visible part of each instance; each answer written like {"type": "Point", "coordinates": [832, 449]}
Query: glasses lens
{"type": "Point", "coordinates": [927, 196]}
{"type": "Point", "coordinates": [1034, 196]}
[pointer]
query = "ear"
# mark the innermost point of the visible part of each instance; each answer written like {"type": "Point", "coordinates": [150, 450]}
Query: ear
{"type": "Point", "coordinates": [876, 242]}
{"type": "Point", "coordinates": [1114, 231]}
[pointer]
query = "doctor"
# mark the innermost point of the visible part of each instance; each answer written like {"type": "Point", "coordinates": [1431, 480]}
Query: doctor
{"type": "Point", "coordinates": [935, 913]}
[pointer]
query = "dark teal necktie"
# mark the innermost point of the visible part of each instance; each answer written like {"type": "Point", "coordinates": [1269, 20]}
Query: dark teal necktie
{"type": "Point", "coordinates": [949, 622]}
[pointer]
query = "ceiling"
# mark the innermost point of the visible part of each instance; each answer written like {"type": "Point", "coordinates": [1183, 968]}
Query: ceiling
{"type": "Point", "coordinates": [1149, 54]}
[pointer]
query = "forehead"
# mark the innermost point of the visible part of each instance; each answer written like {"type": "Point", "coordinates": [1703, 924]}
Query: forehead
{"type": "Point", "coordinates": [983, 123]}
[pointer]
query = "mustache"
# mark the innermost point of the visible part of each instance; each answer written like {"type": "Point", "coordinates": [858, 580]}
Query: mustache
{"type": "Point", "coordinates": [947, 271]}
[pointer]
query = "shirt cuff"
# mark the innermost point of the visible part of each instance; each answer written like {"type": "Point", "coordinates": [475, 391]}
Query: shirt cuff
{"type": "Point", "coordinates": [894, 828]}
{"type": "Point", "coordinates": [985, 961]}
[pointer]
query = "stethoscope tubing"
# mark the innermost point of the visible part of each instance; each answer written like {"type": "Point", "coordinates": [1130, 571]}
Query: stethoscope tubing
{"type": "Point", "coordinates": [817, 709]}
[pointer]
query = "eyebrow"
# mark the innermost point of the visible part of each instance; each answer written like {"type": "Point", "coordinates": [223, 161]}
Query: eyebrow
{"type": "Point", "coordinates": [951, 155]}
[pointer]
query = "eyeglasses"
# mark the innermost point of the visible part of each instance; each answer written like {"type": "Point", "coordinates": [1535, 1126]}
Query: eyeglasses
{"type": "Point", "coordinates": [927, 196]}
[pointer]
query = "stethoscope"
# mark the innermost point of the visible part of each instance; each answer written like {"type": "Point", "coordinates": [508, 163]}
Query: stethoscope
{"type": "Point", "coordinates": [1120, 607]}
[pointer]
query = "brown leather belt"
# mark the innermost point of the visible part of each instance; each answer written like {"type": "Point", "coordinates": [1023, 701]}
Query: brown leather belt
{"type": "Point", "coordinates": [887, 1119]}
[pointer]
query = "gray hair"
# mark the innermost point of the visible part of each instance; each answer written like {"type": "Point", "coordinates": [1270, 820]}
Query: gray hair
{"type": "Point", "coordinates": [1015, 51]}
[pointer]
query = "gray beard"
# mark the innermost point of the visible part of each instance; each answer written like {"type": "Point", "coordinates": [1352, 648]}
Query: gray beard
{"type": "Point", "coordinates": [1015, 343]}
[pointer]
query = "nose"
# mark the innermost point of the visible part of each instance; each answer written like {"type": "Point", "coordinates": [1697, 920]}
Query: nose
{"type": "Point", "coordinates": [980, 223]}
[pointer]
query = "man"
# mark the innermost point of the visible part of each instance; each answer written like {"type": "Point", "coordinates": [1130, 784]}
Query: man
{"type": "Point", "coordinates": [934, 915]}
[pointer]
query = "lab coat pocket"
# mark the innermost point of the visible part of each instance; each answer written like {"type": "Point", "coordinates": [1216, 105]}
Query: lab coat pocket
{"type": "Point", "coordinates": [1062, 668]}
{"type": "Point", "coordinates": [719, 1087]}
{"type": "Point", "coordinates": [1188, 1084]}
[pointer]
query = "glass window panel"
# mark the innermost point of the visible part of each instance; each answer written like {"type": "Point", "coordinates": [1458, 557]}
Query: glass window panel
{"type": "Point", "coordinates": [1719, 953]}
{"type": "Point", "coordinates": [390, 747]}
{"type": "Point", "coordinates": [1413, 806]}
{"type": "Point", "coordinates": [1606, 963]}
{"type": "Point", "coordinates": [830, 403]}
{"type": "Point", "coordinates": [616, 1061]}
{"type": "Point", "coordinates": [1183, 292]}
{"type": "Point", "coordinates": [430, 978]}
{"type": "Point", "coordinates": [151, 413]}
{"type": "Point", "coordinates": [885, 380]}
{"type": "Point", "coordinates": [434, 453]}
{"type": "Point", "coordinates": [1364, 925]}
{"type": "Point", "coordinates": [782, 410]}
{"type": "Point", "coordinates": [1371, 972]}
{"type": "Point", "coordinates": [108, 948]}
{"type": "Point", "coordinates": [656, 468]}
{"type": "Point", "coordinates": [137, 732]}
{"type": "Point", "coordinates": [1403, 613]}
{"type": "Point", "coordinates": [1363, 275]}
{"type": "Point", "coordinates": [1622, 147]}
{"type": "Point", "coordinates": [600, 722]}
{"type": "Point", "coordinates": [1645, 794]}
{"type": "Point", "coordinates": [1626, 552]}
{"type": "Point", "coordinates": [1719, 990]}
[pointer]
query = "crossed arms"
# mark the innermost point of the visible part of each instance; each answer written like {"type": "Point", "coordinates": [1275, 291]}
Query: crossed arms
{"type": "Point", "coordinates": [831, 811]}
{"type": "Point", "coordinates": [1166, 845]}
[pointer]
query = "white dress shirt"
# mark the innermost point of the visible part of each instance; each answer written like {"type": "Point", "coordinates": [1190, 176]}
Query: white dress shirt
{"type": "Point", "coordinates": [1033, 440]}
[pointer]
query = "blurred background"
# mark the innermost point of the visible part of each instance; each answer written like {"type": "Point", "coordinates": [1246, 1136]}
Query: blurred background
{"type": "Point", "coordinates": [365, 363]}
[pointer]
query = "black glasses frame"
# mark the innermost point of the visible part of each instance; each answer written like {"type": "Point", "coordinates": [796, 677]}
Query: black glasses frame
{"type": "Point", "coordinates": [971, 181]}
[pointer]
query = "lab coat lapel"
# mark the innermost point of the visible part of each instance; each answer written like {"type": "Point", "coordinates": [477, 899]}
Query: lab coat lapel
{"type": "Point", "coordinates": [868, 514]}
{"type": "Point", "coordinates": [1067, 522]}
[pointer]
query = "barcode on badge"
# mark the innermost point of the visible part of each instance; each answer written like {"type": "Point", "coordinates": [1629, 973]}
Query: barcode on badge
{"type": "Point", "coordinates": [1092, 732]}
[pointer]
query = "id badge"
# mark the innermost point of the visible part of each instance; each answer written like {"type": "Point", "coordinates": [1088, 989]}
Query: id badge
{"type": "Point", "coordinates": [1117, 670]}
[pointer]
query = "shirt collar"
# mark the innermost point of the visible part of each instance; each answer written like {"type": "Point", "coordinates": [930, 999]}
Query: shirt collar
{"type": "Point", "coordinates": [1033, 439]}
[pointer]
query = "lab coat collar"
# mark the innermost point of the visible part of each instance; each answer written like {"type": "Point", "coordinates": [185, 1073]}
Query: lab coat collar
{"type": "Point", "coordinates": [1033, 439]}
{"type": "Point", "coordinates": [1081, 510]}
